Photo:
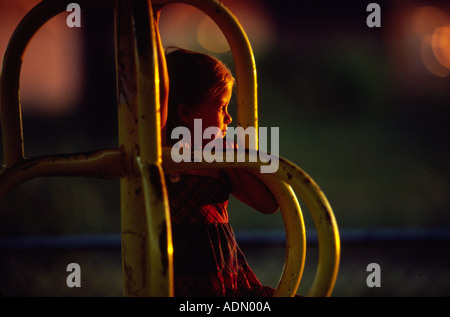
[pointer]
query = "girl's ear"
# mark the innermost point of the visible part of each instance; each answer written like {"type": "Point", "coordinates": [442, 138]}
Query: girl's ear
{"type": "Point", "coordinates": [183, 114]}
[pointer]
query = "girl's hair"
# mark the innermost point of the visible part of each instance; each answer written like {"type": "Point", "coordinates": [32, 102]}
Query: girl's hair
{"type": "Point", "coordinates": [193, 79]}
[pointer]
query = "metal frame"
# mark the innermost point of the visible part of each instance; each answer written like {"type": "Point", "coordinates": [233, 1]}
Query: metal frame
{"type": "Point", "coordinates": [139, 160]}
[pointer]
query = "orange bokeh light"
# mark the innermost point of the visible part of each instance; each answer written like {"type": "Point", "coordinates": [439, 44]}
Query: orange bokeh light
{"type": "Point", "coordinates": [429, 60]}
{"type": "Point", "coordinates": [432, 26]}
{"type": "Point", "coordinates": [440, 43]}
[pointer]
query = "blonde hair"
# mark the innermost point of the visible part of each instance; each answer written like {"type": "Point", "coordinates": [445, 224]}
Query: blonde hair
{"type": "Point", "coordinates": [193, 79]}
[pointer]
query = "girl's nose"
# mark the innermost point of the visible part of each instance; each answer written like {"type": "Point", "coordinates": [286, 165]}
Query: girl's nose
{"type": "Point", "coordinates": [227, 119]}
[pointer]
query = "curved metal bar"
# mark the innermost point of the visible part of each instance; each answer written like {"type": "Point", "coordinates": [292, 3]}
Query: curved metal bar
{"type": "Point", "coordinates": [10, 77]}
{"type": "Point", "coordinates": [295, 234]}
{"type": "Point", "coordinates": [305, 187]}
{"type": "Point", "coordinates": [101, 164]}
{"type": "Point", "coordinates": [12, 129]}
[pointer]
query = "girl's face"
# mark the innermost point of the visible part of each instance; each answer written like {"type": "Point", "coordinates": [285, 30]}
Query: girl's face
{"type": "Point", "coordinates": [214, 112]}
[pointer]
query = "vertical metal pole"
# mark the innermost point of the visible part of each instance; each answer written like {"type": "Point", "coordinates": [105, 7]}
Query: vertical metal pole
{"type": "Point", "coordinates": [135, 261]}
{"type": "Point", "coordinates": [146, 234]}
{"type": "Point", "coordinates": [150, 156]}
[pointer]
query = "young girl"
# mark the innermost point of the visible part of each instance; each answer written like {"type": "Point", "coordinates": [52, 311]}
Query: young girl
{"type": "Point", "coordinates": [207, 259]}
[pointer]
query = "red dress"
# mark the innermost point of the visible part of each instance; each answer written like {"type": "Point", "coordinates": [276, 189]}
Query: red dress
{"type": "Point", "coordinates": [207, 259]}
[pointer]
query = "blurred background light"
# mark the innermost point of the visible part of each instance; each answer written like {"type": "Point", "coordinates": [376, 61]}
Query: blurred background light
{"type": "Point", "coordinates": [185, 26]}
{"type": "Point", "coordinates": [425, 19]}
{"type": "Point", "coordinates": [210, 37]}
{"type": "Point", "coordinates": [52, 70]}
{"type": "Point", "coordinates": [441, 45]}
{"type": "Point", "coordinates": [429, 57]}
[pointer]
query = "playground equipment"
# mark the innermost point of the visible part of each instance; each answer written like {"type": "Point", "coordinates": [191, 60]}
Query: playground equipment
{"type": "Point", "coordinates": [139, 161]}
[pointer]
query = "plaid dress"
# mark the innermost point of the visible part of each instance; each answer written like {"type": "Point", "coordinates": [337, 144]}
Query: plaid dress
{"type": "Point", "coordinates": [207, 259]}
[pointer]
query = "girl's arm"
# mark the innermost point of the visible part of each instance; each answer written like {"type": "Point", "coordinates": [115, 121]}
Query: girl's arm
{"type": "Point", "coordinates": [249, 189]}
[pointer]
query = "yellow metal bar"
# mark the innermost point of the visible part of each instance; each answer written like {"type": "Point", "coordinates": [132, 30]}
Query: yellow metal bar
{"type": "Point", "coordinates": [244, 61]}
{"type": "Point", "coordinates": [295, 234]}
{"type": "Point", "coordinates": [310, 193]}
{"type": "Point", "coordinates": [146, 253]}
{"type": "Point", "coordinates": [147, 82]}
{"type": "Point", "coordinates": [134, 228]}
{"type": "Point", "coordinates": [100, 164]}
{"type": "Point", "coordinates": [160, 233]}
{"type": "Point", "coordinates": [149, 159]}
